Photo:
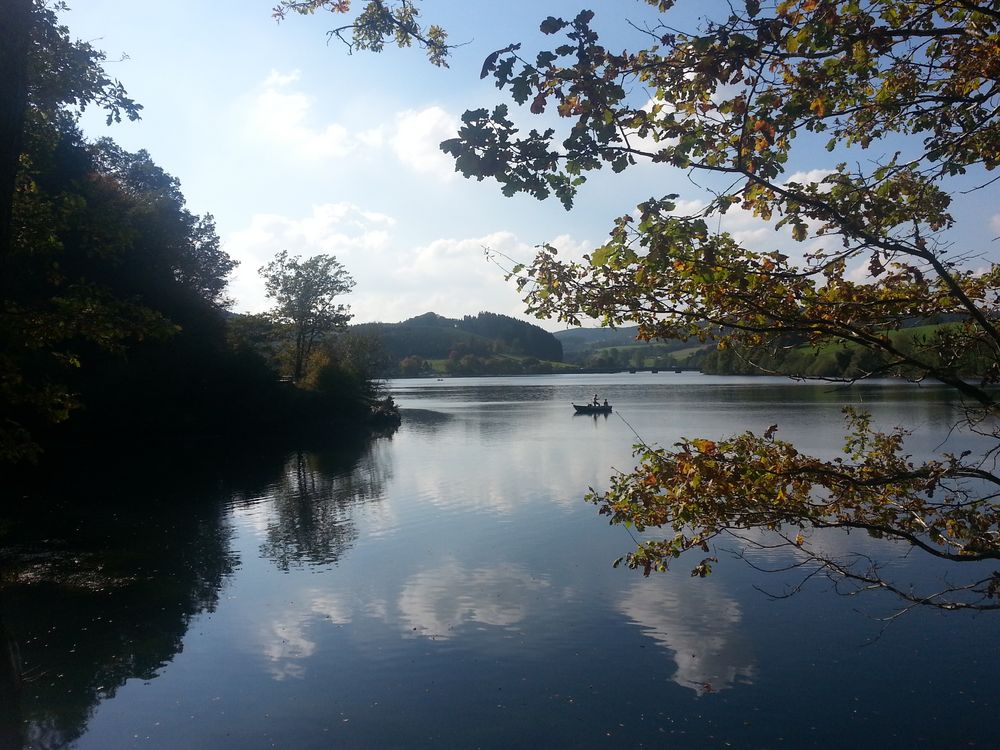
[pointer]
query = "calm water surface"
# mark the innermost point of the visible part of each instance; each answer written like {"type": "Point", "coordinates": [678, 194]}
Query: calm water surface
{"type": "Point", "coordinates": [447, 587]}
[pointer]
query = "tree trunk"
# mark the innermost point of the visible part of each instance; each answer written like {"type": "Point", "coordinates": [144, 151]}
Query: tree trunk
{"type": "Point", "coordinates": [15, 44]}
{"type": "Point", "coordinates": [300, 345]}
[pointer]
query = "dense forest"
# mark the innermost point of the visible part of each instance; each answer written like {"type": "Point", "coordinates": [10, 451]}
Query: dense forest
{"type": "Point", "coordinates": [483, 344]}
{"type": "Point", "coordinates": [792, 355]}
{"type": "Point", "coordinates": [491, 344]}
{"type": "Point", "coordinates": [619, 348]}
{"type": "Point", "coordinates": [113, 315]}
{"type": "Point", "coordinates": [609, 349]}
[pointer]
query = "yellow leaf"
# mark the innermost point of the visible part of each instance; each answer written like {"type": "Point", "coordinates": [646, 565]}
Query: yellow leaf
{"type": "Point", "coordinates": [704, 446]}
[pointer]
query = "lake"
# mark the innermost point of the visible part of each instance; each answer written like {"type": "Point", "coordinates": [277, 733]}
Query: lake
{"type": "Point", "coordinates": [448, 587]}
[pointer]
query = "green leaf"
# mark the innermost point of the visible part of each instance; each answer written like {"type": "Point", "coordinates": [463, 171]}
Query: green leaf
{"type": "Point", "coordinates": [551, 25]}
{"type": "Point", "coordinates": [544, 59]}
{"type": "Point", "coordinates": [520, 89]}
{"type": "Point", "coordinates": [601, 255]}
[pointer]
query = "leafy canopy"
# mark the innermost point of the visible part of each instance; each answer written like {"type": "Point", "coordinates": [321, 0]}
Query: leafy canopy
{"type": "Point", "coordinates": [908, 89]}
{"type": "Point", "coordinates": [378, 22]}
{"type": "Point", "coordinates": [98, 254]}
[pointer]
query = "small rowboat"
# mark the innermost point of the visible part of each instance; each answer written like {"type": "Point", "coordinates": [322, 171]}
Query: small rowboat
{"type": "Point", "coordinates": [591, 409]}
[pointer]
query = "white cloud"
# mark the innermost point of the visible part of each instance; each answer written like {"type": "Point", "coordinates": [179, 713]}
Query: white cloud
{"type": "Point", "coordinates": [570, 248]}
{"type": "Point", "coordinates": [805, 178]}
{"type": "Point", "coordinates": [340, 229]}
{"type": "Point", "coordinates": [416, 141]}
{"type": "Point", "coordinates": [441, 258]}
{"type": "Point", "coordinates": [683, 207]}
{"type": "Point", "coordinates": [277, 80]}
{"type": "Point", "coordinates": [280, 113]}
{"type": "Point", "coordinates": [395, 279]}
{"type": "Point", "coordinates": [454, 277]}
{"type": "Point", "coordinates": [372, 139]}
{"type": "Point", "coordinates": [859, 273]}
{"type": "Point", "coordinates": [753, 237]}
{"type": "Point", "coordinates": [753, 232]}
{"type": "Point", "coordinates": [650, 143]}
{"type": "Point", "coordinates": [745, 228]}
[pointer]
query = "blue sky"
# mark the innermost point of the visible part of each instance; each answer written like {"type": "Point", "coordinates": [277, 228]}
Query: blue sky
{"type": "Point", "coordinates": [292, 143]}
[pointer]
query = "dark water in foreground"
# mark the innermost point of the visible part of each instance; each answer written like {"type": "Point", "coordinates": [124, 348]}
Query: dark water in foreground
{"type": "Point", "coordinates": [447, 587]}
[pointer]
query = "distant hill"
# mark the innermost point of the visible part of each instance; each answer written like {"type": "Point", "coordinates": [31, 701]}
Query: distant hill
{"type": "Point", "coordinates": [582, 339]}
{"type": "Point", "coordinates": [609, 347]}
{"type": "Point", "coordinates": [474, 344]}
{"type": "Point", "coordinates": [848, 360]}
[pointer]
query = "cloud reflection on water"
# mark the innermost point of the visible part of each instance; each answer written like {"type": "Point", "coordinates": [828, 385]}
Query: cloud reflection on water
{"type": "Point", "coordinates": [433, 603]}
{"type": "Point", "coordinates": [700, 624]}
{"type": "Point", "coordinates": [285, 641]}
{"type": "Point", "coordinates": [437, 601]}
{"type": "Point", "coordinates": [286, 645]}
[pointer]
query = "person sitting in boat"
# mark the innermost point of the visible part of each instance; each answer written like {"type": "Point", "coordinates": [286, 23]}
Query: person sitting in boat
{"type": "Point", "coordinates": [605, 403]}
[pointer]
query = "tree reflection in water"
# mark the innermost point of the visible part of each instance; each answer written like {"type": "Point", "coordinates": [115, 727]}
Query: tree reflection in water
{"type": "Point", "coordinates": [311, 506]}
{"type": "Point", "coordinates": [99, 580]}
{"type": "Point", "coordinates": [96, 598]}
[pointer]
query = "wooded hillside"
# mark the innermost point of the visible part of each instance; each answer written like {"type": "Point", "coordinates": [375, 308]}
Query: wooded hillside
{"type": "Point", "coordinates": [486, 336]}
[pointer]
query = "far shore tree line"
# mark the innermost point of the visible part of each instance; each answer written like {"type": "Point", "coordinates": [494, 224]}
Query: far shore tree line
{"type": "Point", "coordinates": [444, 351]}
{"type": "Point", "coordinates": [483, 344]}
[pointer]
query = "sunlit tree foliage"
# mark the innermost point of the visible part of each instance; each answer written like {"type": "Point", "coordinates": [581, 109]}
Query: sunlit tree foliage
{"type": "Point", "coordinates": [904, 95]}
{"type": "Point", "coordinates": [304, 292]}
